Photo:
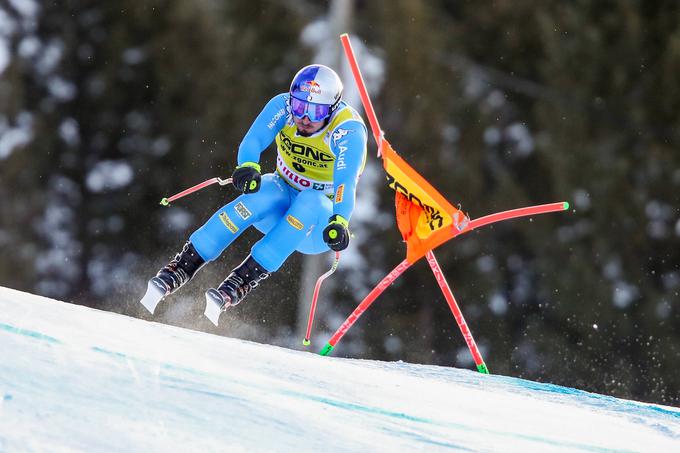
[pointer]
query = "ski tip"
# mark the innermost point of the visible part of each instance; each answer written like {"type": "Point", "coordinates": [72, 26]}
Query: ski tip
{"type": "Point", "coordinates": [565, 205]}
{"type": "Point", "coordinates": [482, 368]}
{"type": "Point", "coordinates": [306, 342]}
{"type": "Point", "coordinates": [344, 35]}
{"type": "Point", "coordinates": [165, 202]}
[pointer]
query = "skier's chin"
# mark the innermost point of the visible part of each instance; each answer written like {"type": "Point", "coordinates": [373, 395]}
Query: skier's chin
{"type": "Point", "coordinates": [304, 133]}
{"type": "Point", "coordinates": [307, 128]}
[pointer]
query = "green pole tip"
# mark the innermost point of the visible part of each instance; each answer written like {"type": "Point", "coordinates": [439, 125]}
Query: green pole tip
{"type": "Point", "coordinates": [566, 205]}
{"type": "Point", "coordinates": [482, 368]}
{"type": "Point", "coordinates": [326, 349]}
{"type": "Point", "coordinates": [165, 202]}
{"type": "Point", "coordinates": [305, 342]}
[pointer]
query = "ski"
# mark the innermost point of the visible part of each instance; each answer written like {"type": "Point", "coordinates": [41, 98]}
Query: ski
{"type": "Point", "coordinates": [155, 292]}
{"type": "Point", "coordinates": [214, 305]}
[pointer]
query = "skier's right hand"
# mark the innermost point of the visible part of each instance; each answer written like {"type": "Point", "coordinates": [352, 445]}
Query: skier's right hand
{"type": "Point", "coordinates": [246, 177]}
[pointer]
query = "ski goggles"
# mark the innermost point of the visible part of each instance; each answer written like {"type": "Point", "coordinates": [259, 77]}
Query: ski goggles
{"type": "Point", "coordinates": [315, 112]}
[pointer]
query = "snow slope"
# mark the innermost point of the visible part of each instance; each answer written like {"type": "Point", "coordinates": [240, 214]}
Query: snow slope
{"type": "Point", "coordinates": [78, 379]}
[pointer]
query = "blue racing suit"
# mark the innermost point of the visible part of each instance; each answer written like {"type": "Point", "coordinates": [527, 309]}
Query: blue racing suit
{"type": "Point", "coordinates": [315, 177]}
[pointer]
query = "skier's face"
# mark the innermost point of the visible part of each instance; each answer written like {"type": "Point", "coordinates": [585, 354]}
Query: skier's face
{"type": "Point", "coordinates": [307, 127]}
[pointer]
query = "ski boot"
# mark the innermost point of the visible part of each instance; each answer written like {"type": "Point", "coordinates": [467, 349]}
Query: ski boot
{"type": "Point", "coordinates": [171, 277]}
{"type": "Point", "coordinates": [234, 288]}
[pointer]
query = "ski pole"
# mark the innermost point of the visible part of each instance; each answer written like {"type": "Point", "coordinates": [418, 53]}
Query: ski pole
{"type": "Point", "coordinates": [368, 300]}
{"type": "Point", "coordinates": [185, 192]}
{"type": "Point", "coordinates": [464, 329]}
{"type": "Point", "coordinates": [317, 287]}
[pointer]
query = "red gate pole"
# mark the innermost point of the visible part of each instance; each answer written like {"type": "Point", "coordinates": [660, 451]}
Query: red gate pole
{"type": "Point", "coordinates": [453, 305]}
{"type": "Point", "coordinates": [361, 308]}
{"type": "Point", "coordinates": [363, 92]}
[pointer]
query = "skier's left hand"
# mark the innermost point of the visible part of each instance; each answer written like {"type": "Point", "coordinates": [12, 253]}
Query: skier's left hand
{"type": "Point", "coordinates": [336, 234]}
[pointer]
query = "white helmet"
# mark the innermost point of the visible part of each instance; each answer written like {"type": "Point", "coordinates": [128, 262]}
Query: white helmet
{"type": "Point", "coordinates": [320, 90]}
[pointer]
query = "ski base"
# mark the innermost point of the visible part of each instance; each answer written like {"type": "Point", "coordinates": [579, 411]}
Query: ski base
{"type": "Point", "coordinates": [154, 294]}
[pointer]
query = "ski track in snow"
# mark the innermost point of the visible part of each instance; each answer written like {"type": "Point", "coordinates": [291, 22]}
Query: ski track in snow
{"type": "Point", "coordinates": [78, 379]}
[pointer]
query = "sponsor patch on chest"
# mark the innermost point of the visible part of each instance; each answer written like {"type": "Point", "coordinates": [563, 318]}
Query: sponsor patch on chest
{"type": "Point", "coordinates": [339, 133]}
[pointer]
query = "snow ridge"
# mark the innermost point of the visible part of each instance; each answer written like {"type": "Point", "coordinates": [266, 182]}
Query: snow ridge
{"type": "Point", "coordinates": [75, 378]}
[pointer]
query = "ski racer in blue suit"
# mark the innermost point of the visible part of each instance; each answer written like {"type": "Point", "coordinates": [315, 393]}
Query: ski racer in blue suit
{"type": "Point", "coordinates": [304, 206]}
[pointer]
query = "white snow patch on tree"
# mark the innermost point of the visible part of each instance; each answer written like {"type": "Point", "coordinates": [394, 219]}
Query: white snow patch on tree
{"type": "Point", "coordinates": [109, 175]}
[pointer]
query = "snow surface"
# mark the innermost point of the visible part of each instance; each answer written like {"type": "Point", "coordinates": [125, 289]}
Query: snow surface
{"type": "Point", "coordinates": [78, 379]}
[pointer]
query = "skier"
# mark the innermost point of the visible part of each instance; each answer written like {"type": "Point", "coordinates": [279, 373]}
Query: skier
{"type": "Point", "coordinates": [305, 205]}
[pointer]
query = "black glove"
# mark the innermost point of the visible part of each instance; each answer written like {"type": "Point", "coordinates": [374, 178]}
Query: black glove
{"type": "Point", "coordinates": [336, 234]}
{"type": "Point", "coordinates": [246, 177]}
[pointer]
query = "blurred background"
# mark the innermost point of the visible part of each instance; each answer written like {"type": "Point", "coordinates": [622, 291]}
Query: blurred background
{"type": "Point", "coordinates": [106, 107]}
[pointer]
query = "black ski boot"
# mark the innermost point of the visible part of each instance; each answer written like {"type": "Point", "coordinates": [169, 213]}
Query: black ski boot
{"type": "Point", "coordinates": [234, 288]}
{"type": "Point", "coordinates": [180, 270]}
{"type": "Point", "coordinates": [172, 276]}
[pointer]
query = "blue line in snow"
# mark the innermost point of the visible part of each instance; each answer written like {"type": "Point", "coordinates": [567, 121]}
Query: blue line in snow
{"type": "Point", "coordinates": [28, 333]}
{"type": "Point", "coordinates": [400, 415]}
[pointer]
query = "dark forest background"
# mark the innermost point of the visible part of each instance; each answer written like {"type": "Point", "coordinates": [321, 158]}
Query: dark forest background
{"type": "Point", "coordinates": [106, 107]}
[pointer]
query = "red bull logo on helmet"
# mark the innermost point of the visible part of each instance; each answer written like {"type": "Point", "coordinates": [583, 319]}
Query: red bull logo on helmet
{"type": "Point", "coordinates": [311, 86]}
